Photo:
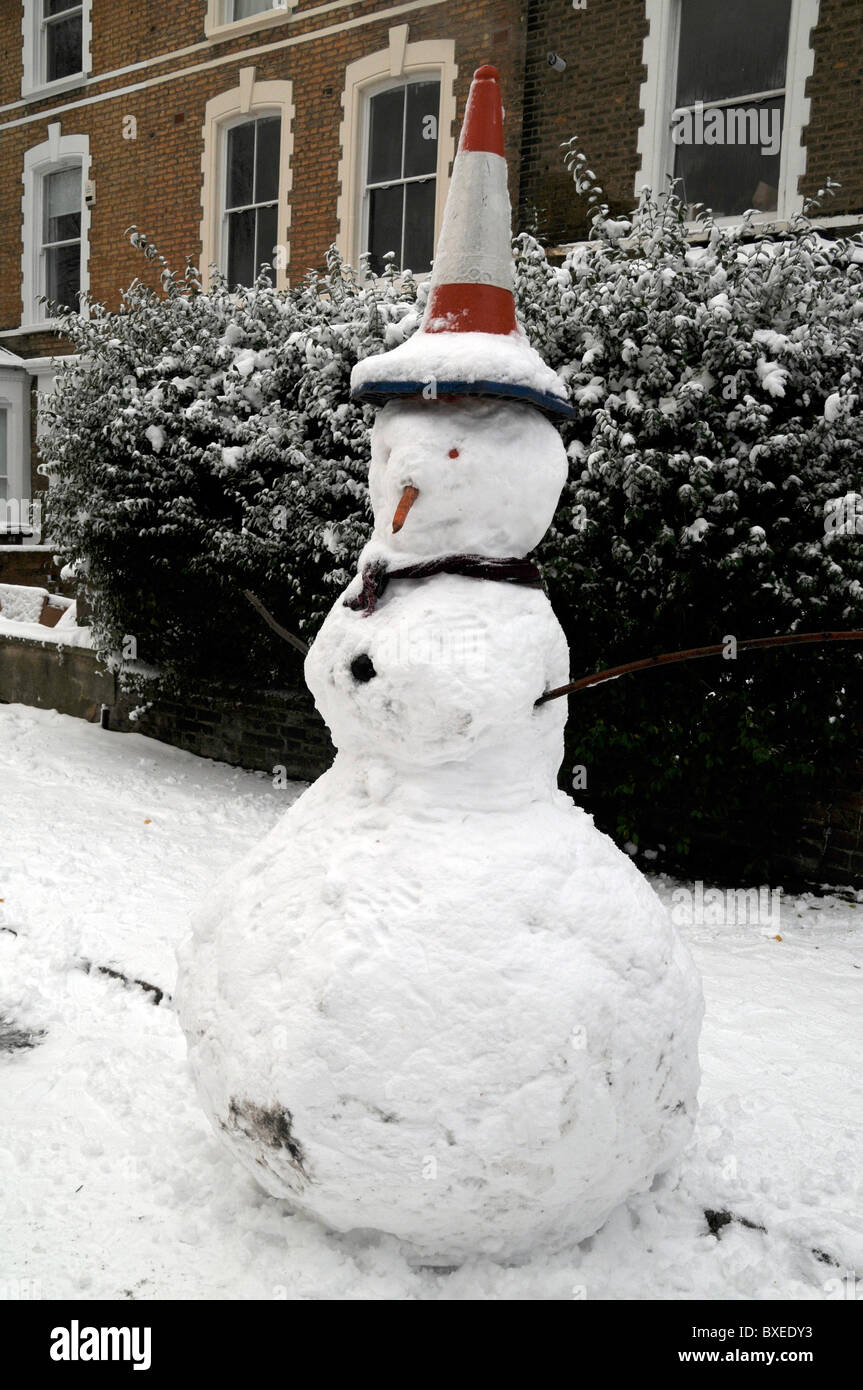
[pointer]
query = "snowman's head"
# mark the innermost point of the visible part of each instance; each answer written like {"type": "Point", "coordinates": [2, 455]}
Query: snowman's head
{"type": "Point", "coordinates": [463, 475]}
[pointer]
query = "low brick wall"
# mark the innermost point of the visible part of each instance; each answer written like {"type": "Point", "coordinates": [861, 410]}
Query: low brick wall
{"type": "Point", "coordinates": [265, 730]}
{"type": "Point", "coordinates": [43, 674]}
{"type": "Point", "coordinates": [30, 564]}
{"type": "Point", "coordinates": [832, 843]}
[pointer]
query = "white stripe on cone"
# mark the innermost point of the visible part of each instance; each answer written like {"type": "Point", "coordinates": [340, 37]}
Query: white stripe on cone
{"type": "Point", "coordinates": [474, 247]}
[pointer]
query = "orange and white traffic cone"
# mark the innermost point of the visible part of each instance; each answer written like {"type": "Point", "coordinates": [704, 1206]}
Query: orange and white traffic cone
{"type": "Point", "coordinates": [469, 342]}
{"type": "Point", "coordinates": [472, 278]}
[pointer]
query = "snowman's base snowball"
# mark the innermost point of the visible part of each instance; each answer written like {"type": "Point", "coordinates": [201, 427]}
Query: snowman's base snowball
{"type": "Point", "coordinates": [476, 1032]}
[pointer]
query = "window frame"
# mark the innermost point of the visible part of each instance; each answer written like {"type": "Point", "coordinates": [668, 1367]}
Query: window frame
{"type": "Point", "coordinates": [655, 145]}
{"type": "Point", "coordinates": [56, 153]}
{"type": "Point", "coordinates": [248, 101]}
{"type": "Point", "coordinates": [217, 25]}
{"type": "Point", "coordinates": [223, 211]}
{"type": "Point", "coordinates": [45, 246]}
{"type": "Point", "coordinates": [34, 81]}
{"type": "Point", "coordinates": [374, 89]}
{"type": "Point", "coordinates": [15, 401]}
{"type": "Point", "coordinates": [430, 59]}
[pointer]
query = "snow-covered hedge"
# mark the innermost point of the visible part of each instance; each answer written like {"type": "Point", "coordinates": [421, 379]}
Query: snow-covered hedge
{"type": "Point", "coordinates": [718, 388]}
{"type": "Point", "coordinates": [205, 444]}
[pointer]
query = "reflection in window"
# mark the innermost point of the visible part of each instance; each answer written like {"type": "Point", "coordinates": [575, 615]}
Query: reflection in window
{"type": "Point", "coordinates": [244, 9]}
{"type": "Point", "coordinates": [61, 236]}
{"type": "Point", "coordinates": [62, 38]}
{"type": "Point", "coordinates": [730, 103]}
{"type": "Point", "coordinates": [251, 198]}
{"type": "Point", "coordinates": [401, 170]}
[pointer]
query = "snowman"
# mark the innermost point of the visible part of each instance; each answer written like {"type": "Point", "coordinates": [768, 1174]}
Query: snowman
{"type": "Point", "coordinates": [436, 1001]}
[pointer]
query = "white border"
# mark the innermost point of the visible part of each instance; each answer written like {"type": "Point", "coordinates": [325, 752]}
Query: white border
{"type": "Point", "coordinates": [32, 80]}
{"type": "Point", "coordinates": [401, 59]}
{"type": "Point", "coordinates": [57, 152]}
{"type": "Point", "coordinates": [656, 98]}
{"type": "Point", "coordinates": [248, 99]}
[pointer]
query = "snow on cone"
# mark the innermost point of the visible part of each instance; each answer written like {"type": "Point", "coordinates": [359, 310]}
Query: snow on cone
{"type": "Point", "coordinates": [469, 342]}
{"type": "Point", "coordinates": [435, 1001]}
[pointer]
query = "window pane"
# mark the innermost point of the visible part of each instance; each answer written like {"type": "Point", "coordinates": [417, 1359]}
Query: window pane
{"type": "Point", "coordinates": [385, 224]}
{"type": "Point", "coordinates": [731, 48]}
{"type": "Point", "coordinates": [4, 466]}
{"type": "Point", "coordinates": [266, 238]}
{"type": "Point", "coordinates": [63, 48]}
{"type": "Point", "coordinates": [386, 118]}
{"type": "Point", "coordinates": [241, 155]}
{"type": "Point", "coordinates": [735, 175]}
{"type": "Point", "coordinates": [267, 159]}
{"type": "Point", "coordinates": [58, 6]}
{"type": "Point", "coordinates": [63, 275]}
{"type": "Point", "coordinates": [241, 247]}
{"type": "Point", "coordinates": [419, 225]}
{"type": "Point", "coordinates": [243, 9]}
{"type": "Point", "coordinates": [61, 193]}
{"type": "Point", "coordinates": [421, 118]}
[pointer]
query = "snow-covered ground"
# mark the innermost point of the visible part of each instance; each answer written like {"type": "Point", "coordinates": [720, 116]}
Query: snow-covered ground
{"type": "Point", "coordinates": [112, 1184]}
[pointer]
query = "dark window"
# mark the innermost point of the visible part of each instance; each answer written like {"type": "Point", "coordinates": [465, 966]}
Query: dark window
{"type": "Point", "coordinates": [730, 103]}
{"type": "Point", "coordinates": [4, 466]}
{"type": "Point", "coordinates": [61, 236]}
{"type": "Point", "coordinates": [244, 9]}
{"type": "Point", "coordinates": [251, 197]}
{"type": "Point", "coordinates": [401, 174]}
{"type": "Point", "coordinates": [62, 22]}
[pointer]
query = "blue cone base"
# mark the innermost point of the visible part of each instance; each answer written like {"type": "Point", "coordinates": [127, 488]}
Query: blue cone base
{"type": "Point", "coordinates": [378, 392]}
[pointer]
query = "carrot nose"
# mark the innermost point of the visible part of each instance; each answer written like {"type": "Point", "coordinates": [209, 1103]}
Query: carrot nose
{"type": "Point", "coordinates": [408, 497]}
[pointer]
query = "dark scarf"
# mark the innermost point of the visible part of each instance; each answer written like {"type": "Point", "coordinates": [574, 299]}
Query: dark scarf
{"type": "Point", "coordinates": [376, 577]}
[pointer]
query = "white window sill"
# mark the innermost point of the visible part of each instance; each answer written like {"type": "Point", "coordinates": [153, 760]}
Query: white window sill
{"type": "Point", "coordinates": [266, 19]}
{"type": "Point", "coordinates": [769, 222]}
{"type": "Point", "coordinates": [45, 326]}
{"type": "Point", "coordinates": [419, 277]}
{"type": "Point", "coordinates": [773, 222]}
{"type": "Point", "coordinates": [50, 89]}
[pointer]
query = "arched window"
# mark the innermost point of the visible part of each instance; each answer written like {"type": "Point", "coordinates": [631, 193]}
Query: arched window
{"type": "Point", "coordinates": [397, 146]}
{"type": "Point", "coordinates": [400, 172]}
{"type": "Point", "coordinates": [56, 225]}
{"type": "Point", "coordinates": [251, 198]}
{"type": "Point", "coordinates": [246, 169]}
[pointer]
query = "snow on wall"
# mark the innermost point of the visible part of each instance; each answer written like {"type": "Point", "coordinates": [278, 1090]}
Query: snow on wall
{"type": "Point", "coordinates": [19, 603]}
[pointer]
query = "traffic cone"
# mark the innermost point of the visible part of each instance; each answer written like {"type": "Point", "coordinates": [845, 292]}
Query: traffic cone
{"type": "Point", "coordinates": [469, 342]}
{"type": "Point", "coordinates": [472, 277]}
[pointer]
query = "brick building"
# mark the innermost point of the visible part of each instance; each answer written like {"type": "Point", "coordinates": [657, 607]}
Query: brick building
{"type": "Point", "coordinates": [237, 131]}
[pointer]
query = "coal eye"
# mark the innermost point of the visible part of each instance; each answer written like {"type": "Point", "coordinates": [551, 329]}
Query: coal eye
{"type": "Point", "coordinates": [362, 668]}
{"type": "Point", "coordinates": [453, 453]}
